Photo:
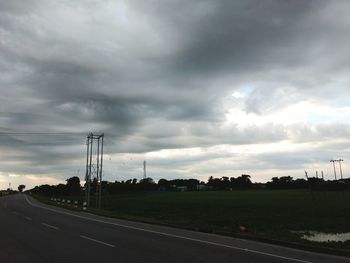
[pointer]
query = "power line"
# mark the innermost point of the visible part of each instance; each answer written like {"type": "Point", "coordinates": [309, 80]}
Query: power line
{"type": "Point", "coordinates": [43, 138]}
{"type": "Point", "coordinates": [41, 133]}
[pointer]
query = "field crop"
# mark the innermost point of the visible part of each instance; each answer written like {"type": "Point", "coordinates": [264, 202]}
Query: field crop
{"type": "Point", "coordinates": [275, 215]}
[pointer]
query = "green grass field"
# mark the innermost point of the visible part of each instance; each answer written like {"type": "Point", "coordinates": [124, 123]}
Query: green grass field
{"type": "Point", "coordinates": [266, 213]}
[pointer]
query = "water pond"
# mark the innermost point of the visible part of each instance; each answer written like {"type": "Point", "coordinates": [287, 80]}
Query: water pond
{"type": "Point", "coordinates": [325, 237]}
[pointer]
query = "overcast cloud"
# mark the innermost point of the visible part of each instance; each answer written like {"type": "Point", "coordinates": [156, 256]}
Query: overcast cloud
{"type": "Point", "coordinates": [196, 88]}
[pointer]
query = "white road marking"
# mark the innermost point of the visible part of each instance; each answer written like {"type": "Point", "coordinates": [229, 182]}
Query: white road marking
{"type": "Point", "coordinates": [28, 218]}
{"type": "Point", "coordinates": [97, 241]}
{"type": "Point", "coordinates": [171, 235]}
{"type": "Point", "coordinates": [50, 226]}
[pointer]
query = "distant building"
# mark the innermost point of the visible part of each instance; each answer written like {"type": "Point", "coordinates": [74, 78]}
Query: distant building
{"type": "Point", "coordinates": [181, 188]}
{"type": "Point", "coordinates": [202, 187]}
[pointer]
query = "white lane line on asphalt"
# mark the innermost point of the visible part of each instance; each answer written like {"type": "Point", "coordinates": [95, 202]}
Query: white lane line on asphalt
{"type": "Point", "coordinates": [171, 235]}
{"type": "Point", "coordinates": [97, 241]}
{"type": "Point", "coordinates": [28, 218]}
{"type": "Point", "coordinates": [50, 226]}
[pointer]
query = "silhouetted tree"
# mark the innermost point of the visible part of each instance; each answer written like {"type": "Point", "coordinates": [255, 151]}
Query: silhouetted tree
{"type": "Point", "coordinates": [147, 184]}
{"type": "Point", "coordinates": [216, 183]}
{"type": "Point", "coordinates": [21, 187]}
{"type": "Point", "coordinates": [128, 181]}
{"type": "Point", "coordinates": [93, 186]}
{"type": "Point", "coordinates": [225, 183]}
{"type": "Point", "coordinates": [73, 185]}
{"type": "Point", "coordinates": [287, 182]}
{"type": "Point", "coordinates": [60, 190]}
{"type": "Point", "coordinates": [243, 181]}
{"type": "Point", "coordinates": [164, 184]}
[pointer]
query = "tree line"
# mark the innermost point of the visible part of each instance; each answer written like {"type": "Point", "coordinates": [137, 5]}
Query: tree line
{"type": "Point", "coordinates": [243, 182]}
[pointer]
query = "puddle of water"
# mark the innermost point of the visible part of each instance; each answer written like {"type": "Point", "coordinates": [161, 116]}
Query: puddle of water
{"type": "Point", "coordinates": [325, 237]}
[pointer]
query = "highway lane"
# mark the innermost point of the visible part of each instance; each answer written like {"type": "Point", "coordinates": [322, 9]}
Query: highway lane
{"type": "Point", "coordinates": [34, 232]}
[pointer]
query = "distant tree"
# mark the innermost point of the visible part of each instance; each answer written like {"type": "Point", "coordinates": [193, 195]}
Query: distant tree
{"type": "Point", "coordinates": [192, 184]}
{"type": "Point", "coordinates": [147, 180]}
{"type": "Point", "coordinates": [286, 179]}
{"type": "Point", "coordinates": [287, 182]}
{"type": "Point", "coordinates": [21, 187]}
{"type": "Point", "coordinates": [60, 189]}
{"type": "Point", "coordinates": [164, 184]}
{"type": "Point", "coordinates": [300, 183]}
{"type": "Point", "coordinates": [93, 186]}
{"type": "Point", "coordinates": [47, 190]}
{"type": "Point", "coordinates": [73, 185]}
{"type": "Point", "coordinates": [147, 184]}
{"type": "Point", "coordinates": [225, 182]}
{"type": "Point", "coordinates": [243, 181]}
{"type": "Point", "coordinates": [216, 183]}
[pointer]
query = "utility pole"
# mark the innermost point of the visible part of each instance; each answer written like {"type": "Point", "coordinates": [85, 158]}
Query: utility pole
{"type": "Point", "coordinates": [335, 173]}
{"type": "Point", "coordinates": [100, 170]}
{"type": "Point", "coordinates": [94, 161]}
{"type": "Point", "coordinates": [341, 172]}
{"type": "Point", "coordinates": [144, 169]}
{"type": "Point", "coordinates": [87, 174]}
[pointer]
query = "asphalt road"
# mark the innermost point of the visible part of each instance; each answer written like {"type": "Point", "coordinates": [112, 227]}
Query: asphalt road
{"type": "Point", "coordinates": [34, 232]}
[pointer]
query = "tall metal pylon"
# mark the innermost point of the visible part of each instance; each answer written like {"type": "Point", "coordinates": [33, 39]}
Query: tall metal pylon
{"type": "Point", "coordinates": [94, 164]}
{"type": "Point", "coordinates": [341, 171]}
{"type": "Point", "coordinates": [335, 172]}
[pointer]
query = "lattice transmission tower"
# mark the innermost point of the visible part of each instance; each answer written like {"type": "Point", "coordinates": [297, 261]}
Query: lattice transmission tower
{"type": "Point", "coordinates": [94, 165]}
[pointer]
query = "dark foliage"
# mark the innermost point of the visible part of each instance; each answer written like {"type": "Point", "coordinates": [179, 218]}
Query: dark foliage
{"type": "Point", "coordinates": [21, 187]}
{"type": "Point", "coordinates": [225, 183]}
{"type": "Point", "coordinates": [73, 185]}
{"type": "Point", "coordinates": [166, 185]}
{"type": "Point", "coordinates": [242, 182]}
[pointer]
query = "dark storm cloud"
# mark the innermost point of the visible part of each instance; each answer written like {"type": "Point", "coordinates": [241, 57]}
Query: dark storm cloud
{"type": "Point", "coordinates": [235, 36]}
{"type": "Point", "coordinates": [239, 35]}
{"type": "Point", "coordinates": [278, 46]}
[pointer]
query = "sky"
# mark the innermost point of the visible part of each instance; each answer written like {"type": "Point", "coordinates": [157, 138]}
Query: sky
{"type": "Point", "coordinates": [195, 88]}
